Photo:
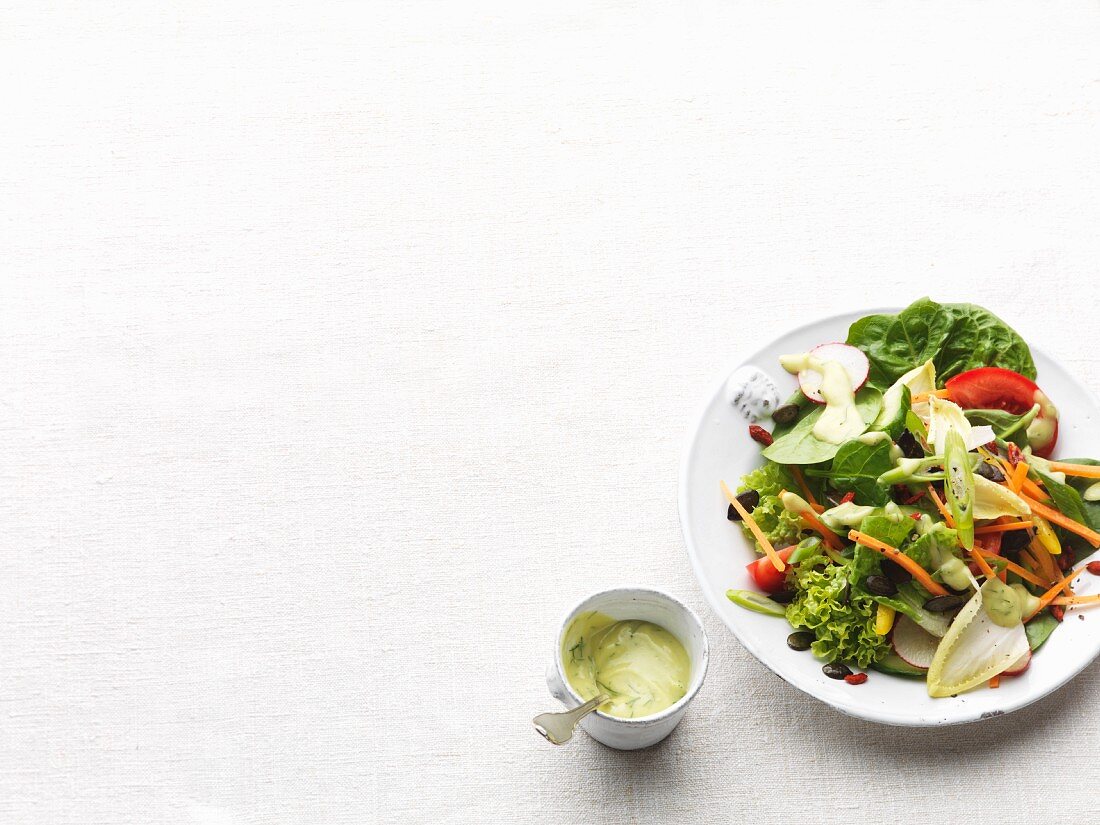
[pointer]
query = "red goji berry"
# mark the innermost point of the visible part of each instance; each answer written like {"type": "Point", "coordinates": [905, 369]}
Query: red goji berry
{"type": "Point", "coordinates": [1058, 612]}
{"type": "Point", "coordinates": [848, 497]}
{"type": "Point", "coordinates": [1093, 567]}
{"type": "Point", "coordinates": [1014, 454]}
{"type": "Point", "coordinates": [760, 435]}
{"type": "Point", "coordinates": [855, 678]}
{"type": "Point", "coordinates": [915, 516]}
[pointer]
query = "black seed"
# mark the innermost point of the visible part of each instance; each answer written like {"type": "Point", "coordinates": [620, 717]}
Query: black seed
{"type": "Point", "coordinates": [942, 604]}
{"type": "Point", "coordinates": [1014, 541]}
{"type": "Point", "coordinates": [783, 596]}
{"type": "Point", "coordinates": [800, 640]}
{"type": "Point", "coordinates": [880, 586]}
{"type": "Point", "coordinates": [835, 670]}
{"type": "Point", "coordinates": [895, 572]}
{"type": "Point", "coordinates": [987, 470]}
{"type": "Point", "coordinates": [909, 445]}
{"type": "Point", "coordinates": [748, 499]}
{"type": "Point", "coordinates": [785, 414]}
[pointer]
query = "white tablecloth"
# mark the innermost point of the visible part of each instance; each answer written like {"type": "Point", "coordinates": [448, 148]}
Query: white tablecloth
{"type": "Point", "coordinates": [343, 347]}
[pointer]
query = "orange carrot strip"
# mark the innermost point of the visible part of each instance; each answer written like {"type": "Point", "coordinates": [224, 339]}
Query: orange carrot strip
{"type": "Point", "coordinates": [1023, 573]}
{"type": "Point", "coordinates": [1082, 470]}
{"type": "Point", "coordinates": [827, 535]}
{"type": "Point", "coordinates": [769, 551]}
{"type": "Point", "coordinates": [1050, 514]}
{"type": "Point", "coordinates": [983, 565]}
{"type": "Point", "coordinates": [1044, 559]}
{"type": "Point", "coordinates": [1070, 601]}
{"type": "Point", "coordinates": [801, 479]}
{"type": "Point", "coordinates": [1002, 528]}
{"type": "Point", "coordinates": [1016, 481]}
{"type": "Point", "coordinates": [941, 507]}
{"type": "Point", "coordinates": [1052, 594]}
{"type": "Point", "coordinates": [892, 553]}
{"type": "Point", "coordinates": [1029, 556]}
{"type": "Point", "coordinates": [995, 682]}
{"type": "Point", "coordinates": [1034, 490]}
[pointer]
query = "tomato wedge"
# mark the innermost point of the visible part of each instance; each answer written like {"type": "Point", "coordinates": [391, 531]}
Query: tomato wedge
{"type": "Point", "coordinates": [995, 388]}
{"type": "Point", "coordinates": [765, 575]}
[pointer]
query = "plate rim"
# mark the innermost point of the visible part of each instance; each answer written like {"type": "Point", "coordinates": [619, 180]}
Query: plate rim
{"type": "Point", "coordinates": [695, 430]}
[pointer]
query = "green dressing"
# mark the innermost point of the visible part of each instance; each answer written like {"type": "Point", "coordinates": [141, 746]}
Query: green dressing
{"type": "Point", "coordinates": [1001, 603]}
{"type": "Point", "coordinates": [840, 421]}
{"type": "Point", "coordinates": [640, 665]}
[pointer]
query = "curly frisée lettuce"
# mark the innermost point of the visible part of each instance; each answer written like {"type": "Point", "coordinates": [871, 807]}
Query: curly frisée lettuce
{"type": "Point", "coordinates": [842, 621]}
{"type": "Point", "coordinates": [778, 524]}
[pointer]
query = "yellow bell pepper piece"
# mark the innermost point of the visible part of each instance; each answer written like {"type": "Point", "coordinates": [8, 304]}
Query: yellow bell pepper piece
{"type": "Point", "coordinates": [1046, 535]}
{"type": "Point", "coordinates": [884, 619]}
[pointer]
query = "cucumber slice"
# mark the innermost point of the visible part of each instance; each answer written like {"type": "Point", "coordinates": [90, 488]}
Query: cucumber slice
{"type": "Point", "coordinates": [894, 411]}
{"type": "Point", "coordinates": [893, 664]}
{"type": "Point", "coordinates": [758, 603]}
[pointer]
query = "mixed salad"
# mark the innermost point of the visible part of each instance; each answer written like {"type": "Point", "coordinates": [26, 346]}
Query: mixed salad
{"type": "Point", "coordinates": [908, 515]}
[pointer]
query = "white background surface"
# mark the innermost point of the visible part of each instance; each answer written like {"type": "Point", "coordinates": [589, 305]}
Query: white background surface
{"type": "Point", "coordinates": [345, 347]}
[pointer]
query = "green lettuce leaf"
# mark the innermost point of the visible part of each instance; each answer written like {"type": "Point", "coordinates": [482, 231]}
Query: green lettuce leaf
{"type": "Point", "coordinates": [781, 527]}
{"type": "Point", "coordinates": [932, 549]}
{"type": "Point", "coordinates": [841, 618]}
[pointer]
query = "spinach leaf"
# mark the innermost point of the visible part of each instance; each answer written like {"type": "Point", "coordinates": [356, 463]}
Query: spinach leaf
{"type": "Point", "coordinates": [996, 344]}
{"type": "Point", "coordinates": [1090, 510]}
{"type": "Point", "coordinates": [957, 337]}
{"type": "Point", "coordinates": [805, 406]}
{"type": "Point", "coordinates": [1038, 630]}
{"type": "Point", "coordinates": [1005, 425]}
{"type": "Point", "coordinates": [1066, 499]}
{"type": "Point", "coordinates": [801, 446]}
{"type": "Point", "coordinates": [856, 469]}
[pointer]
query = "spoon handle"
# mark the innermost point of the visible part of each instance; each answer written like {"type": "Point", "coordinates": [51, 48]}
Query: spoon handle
{"type": "Point", "coordinates": [558, 727]}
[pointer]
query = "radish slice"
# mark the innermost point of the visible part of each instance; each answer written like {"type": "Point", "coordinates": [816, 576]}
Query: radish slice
{"type": "Point", "coordinates": [852, 359]}
{"type": "Point", "coordinates": [913, 643]}
{"type": "Point", "coordinates": [1019, 666]}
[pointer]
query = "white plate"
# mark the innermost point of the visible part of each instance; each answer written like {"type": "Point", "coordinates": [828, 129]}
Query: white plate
{"type": "Point", "coordinates": [719, 448]}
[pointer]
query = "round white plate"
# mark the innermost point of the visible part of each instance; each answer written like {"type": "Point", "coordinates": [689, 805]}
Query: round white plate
{"type": "Point", "coordinates": [719, 448]}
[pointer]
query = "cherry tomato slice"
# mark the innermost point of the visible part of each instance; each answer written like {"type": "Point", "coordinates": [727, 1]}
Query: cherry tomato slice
{"type": "Point", "coordinates": [765, 575]}
{"type": "Point", "coordinates": [995, 388]}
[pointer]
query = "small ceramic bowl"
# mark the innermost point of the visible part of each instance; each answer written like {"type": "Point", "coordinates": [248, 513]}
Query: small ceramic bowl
{"type": "Point", "coordinates": [647, 605]}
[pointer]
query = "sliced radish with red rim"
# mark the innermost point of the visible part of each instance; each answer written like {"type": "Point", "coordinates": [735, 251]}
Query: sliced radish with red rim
{"type": "Point", "coordinates": [1019, 666]}
{"type": "Point", "coordinates": [853, 360]}
{"type": "Point", "coordinates": [913, 643]}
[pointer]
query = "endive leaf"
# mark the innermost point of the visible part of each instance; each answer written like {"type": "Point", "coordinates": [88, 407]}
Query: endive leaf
{"type": "Point", "coordinates": [974, 650]}
{"type": "Point", "coordinates": [944, 416]}
{"type": "Point", "coordinates": [992, 500]}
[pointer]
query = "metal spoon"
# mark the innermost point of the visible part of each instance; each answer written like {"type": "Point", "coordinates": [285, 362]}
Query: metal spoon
{"type": "Point", "coordinates": [558, 727]}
